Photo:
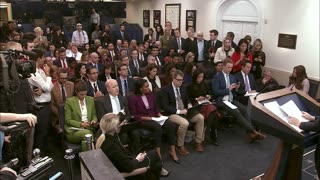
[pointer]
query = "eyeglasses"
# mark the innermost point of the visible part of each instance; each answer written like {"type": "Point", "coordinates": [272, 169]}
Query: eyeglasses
{"type": "Point", "coordinates": [180, 80]}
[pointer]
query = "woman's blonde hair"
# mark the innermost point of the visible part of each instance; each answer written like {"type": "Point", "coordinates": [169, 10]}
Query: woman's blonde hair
{"type": "Point", "coordinates": [107, 123]}
{"type": "Point", "coordinates": [188, 56]}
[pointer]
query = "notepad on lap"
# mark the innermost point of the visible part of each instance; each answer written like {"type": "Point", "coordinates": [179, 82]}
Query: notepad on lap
{"type": "Point", "coordinates": [161, 120]}
{"type": "Point", "coordinates": [230, 105]}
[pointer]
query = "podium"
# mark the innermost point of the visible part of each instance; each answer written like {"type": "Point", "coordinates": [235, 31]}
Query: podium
{"type": "Point", "coordinates": [287, 162]}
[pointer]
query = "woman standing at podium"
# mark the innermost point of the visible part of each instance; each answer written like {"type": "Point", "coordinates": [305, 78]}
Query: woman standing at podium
{"type": "Point", "coordinates": [110, 144]}
{"type": "Point", "coordinates": [312, 125]}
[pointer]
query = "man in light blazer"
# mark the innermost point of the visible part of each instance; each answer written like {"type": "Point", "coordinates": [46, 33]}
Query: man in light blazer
{"type": "Point", "coordinates": [62, 89]}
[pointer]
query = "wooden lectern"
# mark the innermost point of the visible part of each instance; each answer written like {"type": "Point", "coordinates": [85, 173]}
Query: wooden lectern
{"type": "Point", "coordinates": [287, 162]}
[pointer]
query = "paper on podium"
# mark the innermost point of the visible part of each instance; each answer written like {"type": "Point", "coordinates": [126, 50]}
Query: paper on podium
{"type": "Point", "coordinates": [275, 108]}
{"type": "Point", "coordinates": [291, 109]}
{"type": "Point", "coordinates": [161, 120]}
{"type": "Point", "coordinates": [230, 105]}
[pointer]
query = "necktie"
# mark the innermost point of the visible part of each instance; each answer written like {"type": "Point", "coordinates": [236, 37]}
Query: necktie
{"type": "Point", "coordinates": [212, 43]}
{"type": "Point", "coordinates": [97, 67]}
{"type": "Point", "coordinates": [246, 83]}
{"type": "Point", "coordinates": [117, 104]}
{"type": "Point", "coordinates": [158, 61]}
{"type": "Point", "coordinates": [227, 86]}
{"type": "Point", "coordinates": [63, 93]}
{"type": "Point", "coordinates": [136, 64]}
{"type": "Point", "coordinates": [80, 39]}
{"type": "Point", "coordinates": [125, 85]}
{"type": "Point", "coordinates": [64, 63]}
{"type": "Point", "coordinates": [180, 103]}
{"type": "Point", "coordinates": [122, 36]}
{"type": "Point", "coordinates": [129, 72]}
{"type": "Point", "coordinates": [179, 43]}
{"type": "Point", "coordinates": [95, 87]}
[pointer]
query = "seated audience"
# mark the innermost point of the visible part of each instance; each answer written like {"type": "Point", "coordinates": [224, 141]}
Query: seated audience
{"type": "Point", "coordinates": [259, 59]}
{"type": "Point", "coordinates": [299, 79]}
{"type": "Point", "coordinates": [135, 63]}
{"type": "Point", "coordinates": [174, 103]}
{"type": "Point", "coordinates": [96, 88]}
{"type": "Point", "coordinates": [241, 54]}
{"type": "Point", "coordinates": [62, 61]}
{"type": "Point", "coordinates": [267, 83]}
{"type": "Point", "coordinates": [74, 52]}
{"type": "Point", "coordinates": [170, 69]}
{"type": "Point", "coordinates": [108, 74]}
{"type": "Point", "coordinates": [225, 51]}
{"type": "Point", "coordinates": [80, 72]}
{"type": "Point", "coordinates": [84, 58]}
{"type": "Point", "coordinates": [143, 108]}
{"type": "Point", "coordinates": [80, 112]}
{"type": "Point", "coordinates": [188, 72]}
{"type": "Point", "coordinates": [199, 91]}
{"type": "Point", "coordinates": [94, 62]}
{"type": "Point", "coordinates": [62, 89]}
{"type": "Point", "coordinates": [169, 57]}
{"type": "Point", "coordinates": [152, 78]}
{"type": "Point", "coordinates": [126, 84]}
{"type": "Point", "coordinates": [113, 148]}
{"type": "Point", "coordinates": [247, 82]}
{"type": "Point", "coordinates": [224, 86]}
{"type": "Point", "coordinates": [72, 67]}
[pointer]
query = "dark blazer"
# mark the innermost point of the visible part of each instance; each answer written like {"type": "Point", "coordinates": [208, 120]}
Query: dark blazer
{"type": "Point", "coordinates": [57, 62]}
{"type": "Point", "coordinates": [100, 66]}
{"type": "Point", "coordinates": [138, 109]}
{"type": "Point", "coordinates": [118, 155]}
{"type": "Point", "coordinates": [234, 45]}
{"type": "Point", "coordinates": [194, 48]}
{"type": "Point", "coordinates": [242, 89]}
{"type": "Point", "coordinates": [104, 106]}
{"type": "Point", "coordinates": [90, 89]}
{"type": "Point", "coordinates": [102, 77]}
{"type": "Point", "coordinates": [213, 48]}
{"type": "Point", "coordinates": [131, 85]}
{"type": "Point", "coordinates": [168, 99]}
{"type": "Point", "coordinates": [175, 44]}
{"type": "Point", "coordinates": [219, 87]}
{"type": "Point", "coordinates": [117, 36]}
{"type": "Point", "coordinates": [134, 70]}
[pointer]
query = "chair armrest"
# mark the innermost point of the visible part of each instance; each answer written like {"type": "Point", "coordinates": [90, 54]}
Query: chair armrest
{"type": "Point", "coordinates": [135, 172]}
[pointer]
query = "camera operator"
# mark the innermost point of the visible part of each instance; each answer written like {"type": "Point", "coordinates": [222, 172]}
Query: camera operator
{"type": "Point", "coordinates": [42, 85]}
{"type": "Point", "coordinates": [6, 172]}
{"type": "Point", "coordinates": [19, 102]}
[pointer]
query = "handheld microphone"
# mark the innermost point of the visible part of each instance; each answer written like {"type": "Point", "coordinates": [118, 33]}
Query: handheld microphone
{"type": "Point", "coordinates": [263, 89]}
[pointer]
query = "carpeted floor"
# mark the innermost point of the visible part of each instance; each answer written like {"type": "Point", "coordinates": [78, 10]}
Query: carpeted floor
{"type": "Point", "coordinates": [235, 158]}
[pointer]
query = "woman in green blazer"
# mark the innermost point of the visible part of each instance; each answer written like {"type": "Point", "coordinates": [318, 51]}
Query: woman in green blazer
{"type": "Point", "coordinates": [80, 112]}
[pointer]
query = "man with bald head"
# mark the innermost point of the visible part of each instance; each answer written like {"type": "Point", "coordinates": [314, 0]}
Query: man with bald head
{"type": "Point", "coordinates": [94, 62]}
{"type": "Point", "coordinates": [112, 102]}
{"type": "Point", "coordinates": [198, 48]}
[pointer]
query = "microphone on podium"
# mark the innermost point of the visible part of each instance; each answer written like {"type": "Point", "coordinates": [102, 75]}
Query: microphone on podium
{"type": "Point", "coordinates": [263, 89]}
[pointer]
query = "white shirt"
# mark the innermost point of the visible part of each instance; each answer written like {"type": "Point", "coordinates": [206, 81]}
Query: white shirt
{"type": "Point", "coordinates": [176, 96]}
{"type": "Point", "coordinates": [42, 81]}
{"type": "Point", "coordinates": [64, 63]}
{"type": "Point", "coordinates": [95, 18]}
{"type": "Point", "coordinates": [76, 36]}
{"type": "Point", "coordinates": [226, 97]}
{"type": "Point", "coordinates": [77, 55]}
{"type": "Point", "coordinates": [244, 80]}
{"type": "Point", "coordinates": [200, 50]}
{"type": "Point", "coordinates": [84, 112]}
{"type": "Point", "coordinates": [115, 105]}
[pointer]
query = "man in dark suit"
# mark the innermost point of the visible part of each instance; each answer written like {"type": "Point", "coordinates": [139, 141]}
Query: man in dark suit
{"type": "Point", "coordinates": [142, 54]}
{"type": "Point", "coordinates": [198, 48]}
{"type": "Point", "coordinates": [159, 58]}
{"type": "Point", "coordinates": [94, 62]}
{"type": "Point", "coordinates": [107, 74]}
{"type": "Point", "coordinates": [121, 34]}
{"type": "Point", "coordinates": [230, 35]}
{"type": "Point", "coordinates": [135, 62]}
{"type": "Point", "coordinates": [174, 103]}
{"type": "Point", "coordinates": [132, 70]}
{"type": "Point", "coordinates": [224, 88]}
{"type": "Point", "coordinates": [126, 84]}
{"type": "Point", "coordinates": [96, 88]}
{"type": "Point", "coordinates": [179, 43]}
{"type": "Point", "coordinates": [212, 45]}
{"type": "Point", "coordinates": [63, 61]}
{"type": "Point", "coordinates": [247, 82]}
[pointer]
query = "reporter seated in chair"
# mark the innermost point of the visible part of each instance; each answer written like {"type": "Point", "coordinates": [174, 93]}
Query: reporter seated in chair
{"type": "Point", "coordinates": [112, 147]}
{"type": "Point", "coordinates": [199, 91]}
{"type": "Point", "coordinates": [267, 83]}
{"type": "Point", "coordinates": [80, 112]}
{"type": "Point", "coordinates": [143, 107]}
